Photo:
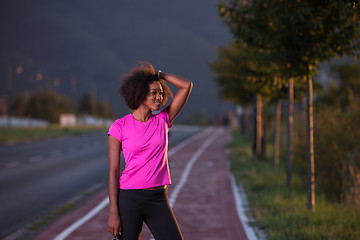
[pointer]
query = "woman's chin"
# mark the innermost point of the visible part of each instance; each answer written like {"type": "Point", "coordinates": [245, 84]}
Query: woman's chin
{"type": "Point", "coordinates": [155, 108]}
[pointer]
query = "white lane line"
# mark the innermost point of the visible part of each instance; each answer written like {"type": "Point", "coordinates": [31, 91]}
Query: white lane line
{"type": "Point", "coordinates": [241, 205]}
{"type": "Point", "coordinates": [104, 202]}
{"type": "Point", "coordinates": [190, 164]}
{"type": "Point", "coordinates": [82, 220]}
{"type": "Point", "coordinates": [187, 141]}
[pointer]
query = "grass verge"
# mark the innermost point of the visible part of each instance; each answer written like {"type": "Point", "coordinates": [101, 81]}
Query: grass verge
{"type": "Point", "coordinates": [14, 135]}
{"type": "Point", "coordinates": [281, 211]}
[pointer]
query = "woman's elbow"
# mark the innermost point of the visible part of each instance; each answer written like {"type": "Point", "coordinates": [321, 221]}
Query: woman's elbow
{"type": "Point", "coordinates": [189, 86]}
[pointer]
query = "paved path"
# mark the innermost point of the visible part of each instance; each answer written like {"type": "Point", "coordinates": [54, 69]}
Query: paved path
{"type": "Point", "coordinates": [201, 196]}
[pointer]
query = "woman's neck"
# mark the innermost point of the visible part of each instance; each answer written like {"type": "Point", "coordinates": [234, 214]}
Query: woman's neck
{"type": "Point", "coordinates": [142, 114]}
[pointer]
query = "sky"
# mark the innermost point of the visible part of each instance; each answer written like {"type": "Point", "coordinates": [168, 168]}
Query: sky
{"type": "Point", "coordinates": [95, 42]}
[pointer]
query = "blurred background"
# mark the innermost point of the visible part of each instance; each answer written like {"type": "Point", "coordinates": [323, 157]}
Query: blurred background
{"type": "Point", "coordinates": [60, 69]}
{"type": "Point", "coordinates": [285, 75]}
{"type": "Point", "coordinates": [75, 52]}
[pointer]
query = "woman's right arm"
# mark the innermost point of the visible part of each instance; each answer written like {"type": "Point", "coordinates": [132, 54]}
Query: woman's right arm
{"type": "Point", "coordinates": [114, 147]}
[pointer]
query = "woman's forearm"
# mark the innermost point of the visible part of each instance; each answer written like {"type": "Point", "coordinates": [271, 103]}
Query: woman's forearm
{"type": "Point", "coordinates": [114, 147]}
{"type": "Point", "coordinates": [184, 89]}
{"type": "Point", "coordinates": [179, 82]}
{"type": "Point", "coordinates": [113, 188]}
{"type": "Point", "coordinates": [114, 223]}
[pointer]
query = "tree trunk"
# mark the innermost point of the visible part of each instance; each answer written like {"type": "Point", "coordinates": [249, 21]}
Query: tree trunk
{"type": "Point", "coordinates": [258, 125]}
{"type": "Point", "coordinates": [264, 130]}
{"type": "Point", "coordinates": [242, 120]}
{"type": "Point", "coordinates": [310, 147]}
{"type": "Point", "coordinates": [290, 132]}
{"type": "Point", "coordinates": [277, 134]}
{"type": "Point", "coordinates": [254, 128]}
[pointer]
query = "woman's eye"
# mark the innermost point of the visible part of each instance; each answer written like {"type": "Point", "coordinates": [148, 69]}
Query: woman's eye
{"type": "Point", "coordinates": [155, 93]}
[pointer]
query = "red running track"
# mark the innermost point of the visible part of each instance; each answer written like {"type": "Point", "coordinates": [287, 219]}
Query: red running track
{"type": "Point", "coordinates": [201, 197]}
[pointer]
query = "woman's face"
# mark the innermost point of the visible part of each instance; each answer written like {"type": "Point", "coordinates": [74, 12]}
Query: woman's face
{"type": "Point", "coordinates": [155, 96]}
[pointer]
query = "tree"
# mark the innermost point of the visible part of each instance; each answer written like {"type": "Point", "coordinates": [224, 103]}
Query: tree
{"type": "Point", "coordinates": [89, 106]}
{"type": "Point", "coordinates": [337, 125]}
{"type": "Point", "coordinates": [253, 24]}
{"type": "Point", "coordinates": [42, 104]}
{"type": "Point", "coordinates": [312, 32]}
{"type": "Point", "coordinates": [85, 106]}
{"type": "Point", "coordinates": [20, 104]}
{"type": "Point", "coordinates": [244, 74]}
{"type": "Point", "coordinates": [347, 89]}
{"type": "Point", "coordinates": [232, 70]}
{"type": "Point", "coordinates": [105, 110]}
{"type": "Point", "coordinates": [299, 34]}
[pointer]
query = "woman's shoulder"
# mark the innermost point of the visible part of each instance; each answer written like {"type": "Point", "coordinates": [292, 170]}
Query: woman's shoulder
{"type": "Point", "coordinates": [117, 127]}
{"type": "Point", "coordinates": [164, 115]}
{"type": "Point", "coordinates": [161, 114]}
{"type": "Point", "coordinates": [121, 121]}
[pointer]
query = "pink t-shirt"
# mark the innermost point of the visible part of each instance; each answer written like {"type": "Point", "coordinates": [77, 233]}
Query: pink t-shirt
{"type": "Point", "coordinates": [145, 146]}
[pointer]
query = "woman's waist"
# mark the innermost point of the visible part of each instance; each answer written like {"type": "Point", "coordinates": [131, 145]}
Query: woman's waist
{"type": "Point", "coordinates": [162, 187]}
{"type": "Point", "coordinates": [155, 188]}
{"type": "Point", "coordinates": [144, 179]}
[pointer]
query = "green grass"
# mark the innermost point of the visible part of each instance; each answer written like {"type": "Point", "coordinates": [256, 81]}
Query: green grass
{"type": "Point", "coordinates": [281, 211]}
{"type": "Point", "coordinates": [46, 219]}
{"type": "Point", "coordinates": [13, 135]}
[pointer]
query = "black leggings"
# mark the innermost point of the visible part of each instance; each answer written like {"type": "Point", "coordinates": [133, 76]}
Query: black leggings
{"type": "Point", "coordinates": [149, 206]}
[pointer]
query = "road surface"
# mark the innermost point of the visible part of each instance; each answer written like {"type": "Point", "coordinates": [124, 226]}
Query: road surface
{"type": "Point", "coordinates": [202, 196]}
{"type": "Point", "coordinates": [38, 177]}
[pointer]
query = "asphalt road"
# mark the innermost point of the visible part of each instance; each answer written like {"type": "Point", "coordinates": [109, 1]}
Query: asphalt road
{"type": "Point", "coordinates": [37, 177]}
{"type": "Point", "coordinates": [203, 196]}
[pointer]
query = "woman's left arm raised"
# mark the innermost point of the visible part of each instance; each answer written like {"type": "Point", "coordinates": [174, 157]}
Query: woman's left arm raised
{"type": "Point", "coordinates": [184, 89]}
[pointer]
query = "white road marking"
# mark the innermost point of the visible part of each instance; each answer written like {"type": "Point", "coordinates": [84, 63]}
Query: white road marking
{"type": "Point", "coordinates": [190, 164]}
{"type": "Point", "coordinates": [239, 197]}
{"type": "Point", "coordinates": [241, 204]}
{"type": "Point", "coordinates": [187, 141]}
{"type": "Point", "coordinates": [82, 220]}
{"type": "Point", "coordinates": [104, 202]}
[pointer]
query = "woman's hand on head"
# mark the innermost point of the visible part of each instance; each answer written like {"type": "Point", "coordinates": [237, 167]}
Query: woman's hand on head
{"type": "Point", "coordinates": [184, 89]}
